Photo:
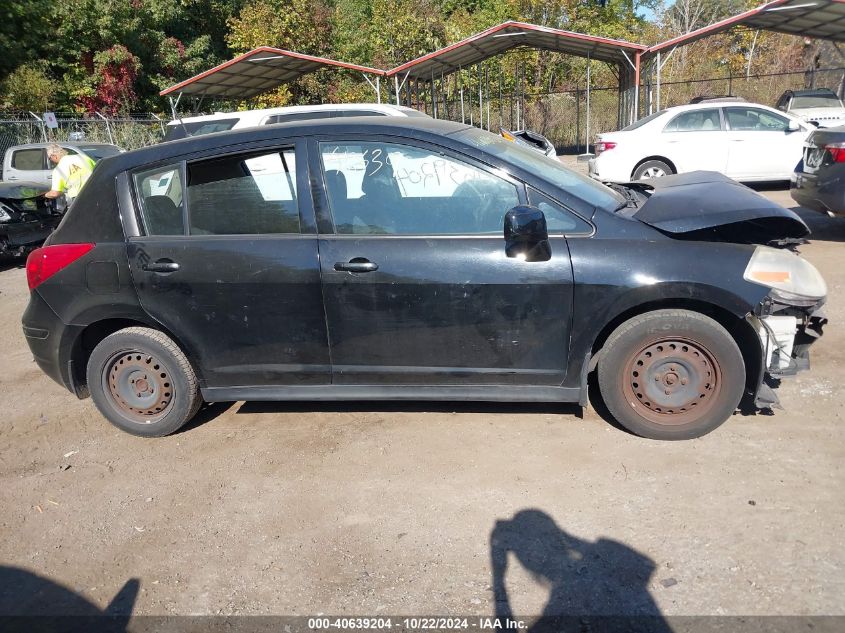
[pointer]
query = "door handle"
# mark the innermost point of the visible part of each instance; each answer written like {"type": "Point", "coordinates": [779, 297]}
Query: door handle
{"type": "Point", "coordinates": [161, 266]}
{"type": "Point", "coordinates": [356, 265]}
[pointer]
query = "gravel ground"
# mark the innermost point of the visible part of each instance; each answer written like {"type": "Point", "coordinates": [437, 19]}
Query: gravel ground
{"type": "Point", "coordinates": [393, 509]}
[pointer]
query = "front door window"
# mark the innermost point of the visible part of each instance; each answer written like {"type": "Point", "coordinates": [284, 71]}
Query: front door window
{"type": "Point", "coordinates": [385, 188]}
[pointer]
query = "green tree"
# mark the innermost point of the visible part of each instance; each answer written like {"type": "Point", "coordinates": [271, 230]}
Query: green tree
{"type": "Point", "coordinates": [24, 29]}
{"type": "Point", "coordinates": [298, 25]}
{"type": "Point", "coordinates": [29, 87]}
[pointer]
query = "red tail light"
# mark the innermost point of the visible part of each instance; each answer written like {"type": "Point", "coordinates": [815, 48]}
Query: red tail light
{"type": "Point", "coordinates": [603, 146]}
{"type": "Point", "coordinates": [837, 152]}
{"type": "Point", "coordinates": [46, 261]}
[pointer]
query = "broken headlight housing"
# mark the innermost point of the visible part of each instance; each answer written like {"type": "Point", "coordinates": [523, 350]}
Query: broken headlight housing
{"type": "Point", "coordinates": [5, 216]}
{"type": "Point", "coordinates": [792, 279]}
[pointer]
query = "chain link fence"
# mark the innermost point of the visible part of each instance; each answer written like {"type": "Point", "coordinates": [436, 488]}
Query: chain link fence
{"type": "Point", "coordinates": [129, 132]}
{"type": "Point", "coordinates": [561, 116]}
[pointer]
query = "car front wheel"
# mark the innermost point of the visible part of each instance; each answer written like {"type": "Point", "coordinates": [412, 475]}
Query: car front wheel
{"type": "Point", "coordinates": [142, 382]}
{"type": "Point", "coordinates": [671, 375]}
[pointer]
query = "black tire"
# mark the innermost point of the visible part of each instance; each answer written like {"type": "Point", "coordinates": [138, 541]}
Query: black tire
{"type": "Point", "coordinates": [671, 375]}
{"type": "Point", "coordinates": [147, 363]}
{"type": "Point", "coordinates": [652, 169]}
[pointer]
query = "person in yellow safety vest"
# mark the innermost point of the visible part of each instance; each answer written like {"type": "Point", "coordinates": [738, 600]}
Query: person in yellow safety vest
{"type": "Point", "coordinates": [70, 174]}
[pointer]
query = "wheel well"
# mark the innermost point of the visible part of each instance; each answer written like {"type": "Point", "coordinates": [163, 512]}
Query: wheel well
{"type": "Point", "coordinates": [660, 158]}
{"type": "Point", "coordinates": [739, 329]}
{"type": "Point", "coordinates": [96, 332]}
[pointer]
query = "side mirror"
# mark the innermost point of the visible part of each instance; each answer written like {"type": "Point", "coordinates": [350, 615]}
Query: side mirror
{"type": "Point", "coordinates": [792, 126]}
{"type": "Point", "coordinates": [526, 235]}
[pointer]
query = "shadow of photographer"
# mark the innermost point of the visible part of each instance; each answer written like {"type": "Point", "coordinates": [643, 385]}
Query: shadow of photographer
{"type": "Point", "coordinates": [29, 602]}
{"type": "Point", "coordinates": [594, 586]}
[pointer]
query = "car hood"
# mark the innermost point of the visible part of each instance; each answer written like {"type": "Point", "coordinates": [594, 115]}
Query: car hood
{"type": "Point", "coordinates": [686, 204]}
{"type": "Point", "coordinates": [21, 190]}
{"type": "Point", "coordinates": [819, 113]}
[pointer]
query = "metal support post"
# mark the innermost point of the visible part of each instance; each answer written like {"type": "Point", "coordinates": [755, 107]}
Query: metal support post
{"type": "Point", "coordinates": [160, 122]}
{"type": "Point", "coordinates": [108, 127]}
{"type": "Point", "coordinates": [461, 90]}
{"type": "Point", "coordinates": [657, 82]}
{"type": "Point", "coordinates": [480, 102]}
{"type": "Point", "coordinates": [487, 90]}
{"type": "Point", "coordinates": [587, 137]}
{"type": "Point", "coordinates": [41, 125]}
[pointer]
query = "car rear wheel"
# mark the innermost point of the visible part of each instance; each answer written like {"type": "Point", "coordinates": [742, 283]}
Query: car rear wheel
{"type": "Point", "coordinates": [671, 375]}
{"type": "Point", "coordinates": [652, 169]}
{"type": "Point", "coordinates": [142, 382]}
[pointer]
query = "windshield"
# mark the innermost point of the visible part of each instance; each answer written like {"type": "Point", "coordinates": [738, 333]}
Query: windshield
{"type": "Point", "coordinates": [643, 121]}
{"type": "Point", "coordinates": [816, 101]}
{"type": "Point", "coordinates": [550, 169]}
{"type": "Point", "coordinates": [99, 152]}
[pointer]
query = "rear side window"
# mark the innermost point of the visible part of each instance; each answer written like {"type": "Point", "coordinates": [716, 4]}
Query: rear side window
{"type": "Point", "coordinates": [160, 197]}
{"type": "Point", "coordinates": [695, 121]}
{"type": "Point", "coordinates": [251, 193]}
{"type": "Point", "coordinates": [28, 159]}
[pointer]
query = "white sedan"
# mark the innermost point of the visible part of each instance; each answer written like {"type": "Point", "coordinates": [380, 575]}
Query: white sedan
{"type": "Point", "coordinates": [746, 141]}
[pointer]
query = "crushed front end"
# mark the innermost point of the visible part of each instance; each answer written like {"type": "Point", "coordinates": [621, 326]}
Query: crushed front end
{"type": "Point", "coordinates": [791, 317]}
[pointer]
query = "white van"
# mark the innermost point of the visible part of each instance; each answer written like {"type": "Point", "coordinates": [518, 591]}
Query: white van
{"type": "Point", "coordinates": [222, 121]}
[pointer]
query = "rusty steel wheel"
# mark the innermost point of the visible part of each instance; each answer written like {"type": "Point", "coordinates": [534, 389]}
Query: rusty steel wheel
{"type": "Point", "coordinates": [671, 374]}
{"type": "Point", "coordinates": [139, 385]}
{"type": "Point", "coordinates": [142, 382]}
{"type": "Point", "coordinates": [672, 381]}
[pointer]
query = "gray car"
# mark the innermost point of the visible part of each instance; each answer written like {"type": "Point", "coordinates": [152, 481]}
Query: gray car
{"type": "Point", "coordinates": [29, 163]}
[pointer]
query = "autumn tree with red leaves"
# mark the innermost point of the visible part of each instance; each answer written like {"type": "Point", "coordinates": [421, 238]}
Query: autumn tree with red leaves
{"type": "Point", "coordinates": [115, 71]}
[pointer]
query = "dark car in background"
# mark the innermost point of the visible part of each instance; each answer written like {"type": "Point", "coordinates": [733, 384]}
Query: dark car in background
{"type": "Point", "coordinates": [414, 259]}
{"type": "Point", "coordinates": [819, 179]}
{"type": "Point", "coordinates": [26, 218]}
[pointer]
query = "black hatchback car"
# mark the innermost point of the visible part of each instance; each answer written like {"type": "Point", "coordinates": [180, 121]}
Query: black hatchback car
{"type": "Point", "coordinates": [413, 259]}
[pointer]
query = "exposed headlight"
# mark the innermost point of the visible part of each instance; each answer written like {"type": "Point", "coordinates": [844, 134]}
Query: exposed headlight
{"type": "Point", "coordinates": [790, 277]}
{"type": "Point", "coordinates": [4, 214]}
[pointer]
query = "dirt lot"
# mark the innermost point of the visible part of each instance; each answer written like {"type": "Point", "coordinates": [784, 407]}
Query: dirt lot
{"type": "Point", "coordinates": [376, 509]}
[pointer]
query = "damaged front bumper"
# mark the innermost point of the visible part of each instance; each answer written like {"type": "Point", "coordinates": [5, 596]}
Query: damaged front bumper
{"type": "Point", "coordinates": [786, 333]}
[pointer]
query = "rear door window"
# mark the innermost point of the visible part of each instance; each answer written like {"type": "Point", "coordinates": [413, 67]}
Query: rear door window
{"type": "Point", "coordinates": [253, 193]}
{"type": "Point", "coordinates": [695, 121]}
{"type": "Point", "coordinates": [29, 159]}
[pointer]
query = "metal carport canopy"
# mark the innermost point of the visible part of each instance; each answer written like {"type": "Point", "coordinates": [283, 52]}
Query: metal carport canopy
{"type": "Point", "coordinates": [257, 71]}
{"type": "Point", "coordinates": [509, 35]}
{"type": "Point", "coordinates": [822, 19]}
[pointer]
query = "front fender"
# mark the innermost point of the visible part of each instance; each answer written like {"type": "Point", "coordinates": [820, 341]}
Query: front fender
{"type": "Point", "coordinates": [617, 278]}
